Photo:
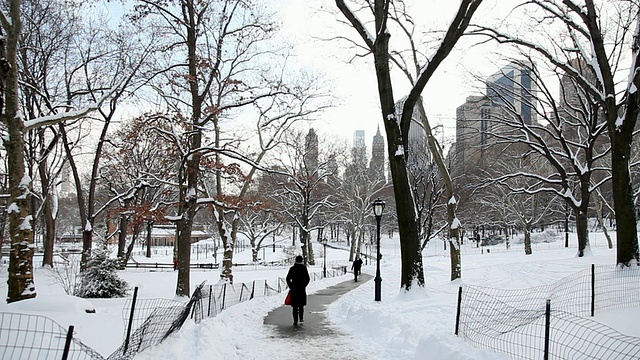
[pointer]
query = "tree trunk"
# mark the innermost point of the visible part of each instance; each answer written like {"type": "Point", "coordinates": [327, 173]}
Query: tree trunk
{"type": "Point", "coordinates": [412, 267]}
{"type": "Point", "coordinates": [621, 136]}
{"type": "Point", "coordinates": [436, 152]}
{"type": "Point", "coordinates": [188, 210]}
{"type": "Point", "coordinates": [599, 204]}
{"type": "Point", "coordinates": [148, 242]}
{"type": "Point", "coordinates": [122, 235]}
{"type": "Point", "coordinates": [129, 251]}
{"type": "Point", "coordinates": [184, 248]}
{"type": "Point", "coordinates": [20, 273]}
{"type": "Point", "coordinates": [228, 245]}
{"type": "Point", "coordinates": [627, 235]}
{"type": "Point", "coordinates": [527, 239]}
{"type": "Point", "coordinates": [47, 211]}
{"type": "Point", "coordinates": [582, 230]}
{"type": "Point", "coordinates": [352, 249]}
{"type": "Point", "coordinates": [454, 241]}
{"type": "Point", "coordinates": [309, 249]}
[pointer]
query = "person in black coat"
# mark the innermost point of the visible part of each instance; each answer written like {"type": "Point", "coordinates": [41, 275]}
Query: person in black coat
{"type": "Point", "coordinates": [356, 267]}
{"type": "Point", "coordinates": [297, 280]}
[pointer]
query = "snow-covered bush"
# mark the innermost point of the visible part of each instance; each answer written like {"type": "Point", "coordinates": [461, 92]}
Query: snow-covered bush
{"type": "Point", "coordinates": [100, 279]}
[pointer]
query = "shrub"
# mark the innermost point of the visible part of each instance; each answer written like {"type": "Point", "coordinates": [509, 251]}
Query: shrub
{"type": "Point", "coordinates": [100, 279]}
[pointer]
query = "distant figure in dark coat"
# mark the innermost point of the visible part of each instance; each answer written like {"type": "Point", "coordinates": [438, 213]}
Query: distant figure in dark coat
{"type": "Point", "coordinates": [297, 280]}
{"type": "Point", "coordinates": [356, 266]}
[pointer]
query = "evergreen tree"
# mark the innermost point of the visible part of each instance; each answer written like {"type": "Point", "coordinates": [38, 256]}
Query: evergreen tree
{"type": "Point", "coordinates": [100, 279]}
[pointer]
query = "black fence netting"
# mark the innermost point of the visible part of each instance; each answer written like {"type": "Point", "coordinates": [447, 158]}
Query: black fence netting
{"type": "Point", "coordinates": [552, 321]}
{"type": "Point", "coordinates": [148, 322]}
{"type": "Point", "coordinates": [35, 337]}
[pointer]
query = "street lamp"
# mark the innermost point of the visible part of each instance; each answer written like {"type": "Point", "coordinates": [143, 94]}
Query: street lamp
{"type": "Point", "coordinates": [378, 208]}
{"type": "Point", "coordinates": [324, 263]}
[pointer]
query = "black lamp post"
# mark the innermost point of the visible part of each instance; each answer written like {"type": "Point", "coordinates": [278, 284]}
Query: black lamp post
{"type": "Point", "coordinates": [378, 208]}
{"type": "Point", "coordinates": [324, 263]}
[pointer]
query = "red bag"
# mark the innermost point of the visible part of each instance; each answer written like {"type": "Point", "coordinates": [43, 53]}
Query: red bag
{"type": "Point", "coordinates": [287, 300]}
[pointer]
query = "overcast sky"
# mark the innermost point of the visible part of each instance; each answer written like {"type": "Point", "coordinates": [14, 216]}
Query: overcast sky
{"type": "Point", "coordinates": [306, 21]}
{"type": "Point", "coordinates": [356, 83]}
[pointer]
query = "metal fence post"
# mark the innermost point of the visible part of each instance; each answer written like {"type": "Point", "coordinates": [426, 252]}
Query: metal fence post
{"type": "Point", "coordinates": [224, 295]}
{"type": "Point", "coordinates": [458, 310]}
{"type": "Point", "coordinates": [547, 329]}
{"type": "Point", "coordinates": [67, 343]}
{"type": "Point", "coordinates": [133, 307]}
{"type": "Point", "coordinates": [210, 295]}
{"type": "Point", "coordinates": [593, 289]}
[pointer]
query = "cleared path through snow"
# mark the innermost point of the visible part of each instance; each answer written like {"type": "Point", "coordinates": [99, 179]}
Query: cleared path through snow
{"type": "Point", "coordinates": [317, 335]}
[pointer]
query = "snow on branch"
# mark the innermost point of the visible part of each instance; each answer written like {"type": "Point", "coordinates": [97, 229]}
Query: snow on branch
{"type": "Point", "coordinates": [69, 115]}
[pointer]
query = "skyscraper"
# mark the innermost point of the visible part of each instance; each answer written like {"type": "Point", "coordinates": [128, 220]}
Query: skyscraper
{"type": "Point", "coordinates": [359, 146]}
{"type": "Point", "coordinates": [510, 91]}
{"type": "Point", "coordinates": [311, 151]}
{"type": "Point", "coordinates": [376, 166]}
{"type": "Point", "coordinates": [418, 152]}
{"type": "Point", "coordinates": [514, 87]}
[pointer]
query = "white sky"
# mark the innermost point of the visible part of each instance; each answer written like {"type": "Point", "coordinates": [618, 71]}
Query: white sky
{"type": "Point", "coordinates": [356, 83]}
{"type": "Point", "coordinates": [415, 325]}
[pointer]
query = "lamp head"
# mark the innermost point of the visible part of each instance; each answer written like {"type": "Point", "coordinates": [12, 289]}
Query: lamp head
{"type": "Point", "coordinates": [378, 207]}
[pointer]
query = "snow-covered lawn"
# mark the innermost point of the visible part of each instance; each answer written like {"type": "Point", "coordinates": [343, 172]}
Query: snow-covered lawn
{"type": "Point", "coordinates": [415, 325]}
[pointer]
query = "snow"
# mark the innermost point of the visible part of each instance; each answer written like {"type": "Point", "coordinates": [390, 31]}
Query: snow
{"type": "Point", "coordinates": [418, 324]}
{"type": "Point", "coordinates": [70, 115]}
{"type": "Point", "coordinates": [25, 182]}
{"type": "Point", "coordinates": [13, 208]}
{"type": "Point", "coordinates": [26, 223]}
{"type": "Point", "coordinates": [455, 224]}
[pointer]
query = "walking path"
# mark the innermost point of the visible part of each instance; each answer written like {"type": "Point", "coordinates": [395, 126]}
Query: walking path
{"type": "Point", "coordinates": [316, 338]}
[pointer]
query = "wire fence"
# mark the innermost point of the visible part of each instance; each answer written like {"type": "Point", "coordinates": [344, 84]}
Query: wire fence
{"type": "Point", "coordinates": [551, 321]}
{"type": "Point", "coordinates": [35, 337]}
{"type": "Point", "coordinates": [148, 322]}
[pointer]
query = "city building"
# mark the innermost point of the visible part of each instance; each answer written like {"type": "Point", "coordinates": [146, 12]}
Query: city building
{"type": "Point", "coordinates": [311, 151]}
{"type": "Point", "coordinates": [377, 163]}
{"type": "Point", "coordinates": [510, 94]}
{"type": "Point", "coordinates": [514, 87]}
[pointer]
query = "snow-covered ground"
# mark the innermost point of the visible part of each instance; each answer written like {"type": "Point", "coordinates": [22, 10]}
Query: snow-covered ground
{"type": "Point", "coordinates": [414, 325]}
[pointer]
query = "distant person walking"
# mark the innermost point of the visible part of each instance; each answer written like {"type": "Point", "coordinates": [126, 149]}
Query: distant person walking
{"type": "Point", "coordinates": [356, 266]}
{"type": "Point", "coordinates": [297, 280]}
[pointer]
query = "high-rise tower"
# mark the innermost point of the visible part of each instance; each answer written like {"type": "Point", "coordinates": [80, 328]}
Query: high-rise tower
{"type": "Point", "coordinates": [311, 151]}
{"type": "Point", "coordinates": [376, 166]}
{"type": "Point", "coordinates": [513, 86]}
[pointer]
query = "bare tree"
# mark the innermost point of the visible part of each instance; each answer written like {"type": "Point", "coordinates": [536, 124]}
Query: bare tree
{"type": "Point", "coordinates": [528, 209]}
{"type": "Point", "coordinates": [137, 170]}
{"type": "Point", "coordinates": [48, 33]}
{"type": "Point", "coordinates": [397, 118]}
{"type": "Point", "coordinates": [110, 60]}
{"type": "Point", "coordinates": [358, 190]}
{"type": "Point", "coordinates": [259, 224]}
{"type": "Point", "coordinates": [21, 285]}
{"type": "Point", "coordinates": [304, 193]}
{"type": "Point", "coordinates": [576, 30]}
{"type": "Point", "coordinates": [219, 62]}
{"type": "Point", "coordinates": [568, 138]}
